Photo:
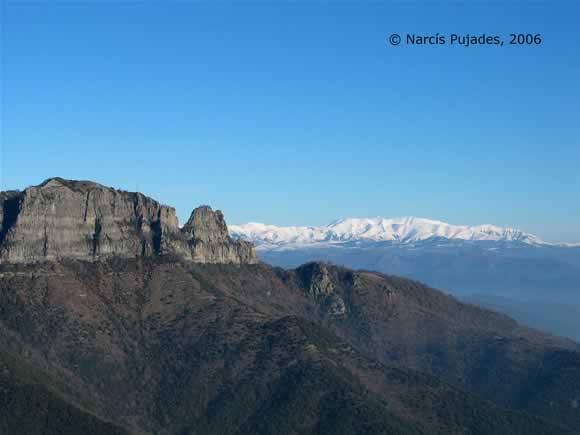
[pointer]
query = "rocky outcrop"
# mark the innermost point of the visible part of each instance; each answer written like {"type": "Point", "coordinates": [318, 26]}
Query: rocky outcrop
{"type": "Point", "coordinates": [81, 219]}
{"type": "Point", "coordinates": [318, 282]}
{"type": "Point", "coordinates": [210, 242]}
{"type": "Point", "coordinates": [207, 240]}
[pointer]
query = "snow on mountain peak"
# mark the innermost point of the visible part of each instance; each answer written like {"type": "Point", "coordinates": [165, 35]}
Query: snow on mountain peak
{"type": "Point", "coordinates": [403, 230]}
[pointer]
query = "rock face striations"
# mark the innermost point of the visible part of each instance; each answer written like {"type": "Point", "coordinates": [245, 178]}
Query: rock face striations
{"type": "Point", "coordinates": [85, 220]}
{"type": "Point", "coordinates": [79, 219]}
{"type": "Point", "coordinates": [208, 239]}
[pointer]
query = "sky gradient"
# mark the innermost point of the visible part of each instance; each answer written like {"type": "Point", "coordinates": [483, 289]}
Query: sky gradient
{"type": "Point", "coordinates": [300, 113]}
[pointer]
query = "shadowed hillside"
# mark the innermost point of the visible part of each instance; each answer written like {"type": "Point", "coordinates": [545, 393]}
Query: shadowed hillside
{"type": "Point", "coordinates": [28, 406]}
{"type": "Point", "coordinates": [163, 346]}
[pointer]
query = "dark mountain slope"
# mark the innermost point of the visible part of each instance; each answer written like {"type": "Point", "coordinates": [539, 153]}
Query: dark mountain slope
{"type": "Point", "coordinates": [404, 323]}
{"type": "Point", "coordinates": [28, 406]}
{"type": "Point", "coordinates": [167, 347]}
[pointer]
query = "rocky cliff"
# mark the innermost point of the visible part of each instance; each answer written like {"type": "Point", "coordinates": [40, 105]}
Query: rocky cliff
{"type": "Point", "coordinates": [208, 239]}
{"type": "Point", "coordinates": [81, 219]}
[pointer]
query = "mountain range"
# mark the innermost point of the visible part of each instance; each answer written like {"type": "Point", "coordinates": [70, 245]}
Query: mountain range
{"type": "Point", "coordinates": [511, 270]}
{"type": "Point", "coordinates": [404, 231]}
{"type": "Point", "coordinates": [116, 320]}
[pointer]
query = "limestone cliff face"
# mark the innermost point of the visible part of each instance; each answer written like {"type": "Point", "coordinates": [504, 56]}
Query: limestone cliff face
{"type": "Point", "coordinates": [209, 240]}
{"type": "Point", "coordinates": [82, 219]}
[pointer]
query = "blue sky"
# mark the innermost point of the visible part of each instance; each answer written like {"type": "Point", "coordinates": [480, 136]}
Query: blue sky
{"type": "Point", "coordinates": [300, 113]}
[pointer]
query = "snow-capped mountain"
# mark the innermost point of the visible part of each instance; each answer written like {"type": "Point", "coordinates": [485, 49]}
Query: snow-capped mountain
{"type": "Point", "coordinates": [405, 230]}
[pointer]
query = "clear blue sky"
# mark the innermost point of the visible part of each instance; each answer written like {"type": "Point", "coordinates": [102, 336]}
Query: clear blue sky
{"type": "Point", "coordinates": [300, 113]}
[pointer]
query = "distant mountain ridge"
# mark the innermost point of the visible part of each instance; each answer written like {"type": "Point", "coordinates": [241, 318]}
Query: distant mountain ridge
{"type": "Point", "coordinates": [403, 230]}
{"type": "Point", "coordinates": [465, 260]}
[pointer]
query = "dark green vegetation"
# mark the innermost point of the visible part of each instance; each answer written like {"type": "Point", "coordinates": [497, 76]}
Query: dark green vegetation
{"type": "Point", "coordinates": [27, 406]}
{"type": "Point", "coordinates": [161, 347]}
